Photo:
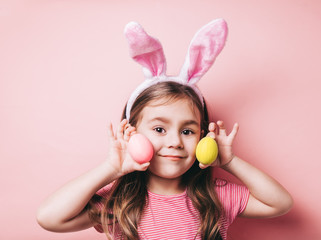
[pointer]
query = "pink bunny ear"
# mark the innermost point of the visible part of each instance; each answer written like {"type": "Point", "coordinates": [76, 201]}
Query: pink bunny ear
{"type": "Point", "coordinates": [204, 48]}
{"type": "Point", "coordinates": [145, 50]}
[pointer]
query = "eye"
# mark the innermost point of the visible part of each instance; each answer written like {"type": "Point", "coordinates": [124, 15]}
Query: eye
{"type": "Point", "coordinates": [187, 132]}
{"type": "Point", "coordinates": [159, 130]}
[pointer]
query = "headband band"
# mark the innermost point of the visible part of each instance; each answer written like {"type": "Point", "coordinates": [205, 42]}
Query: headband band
{"type": "Point", "coordinates": [206, 45]}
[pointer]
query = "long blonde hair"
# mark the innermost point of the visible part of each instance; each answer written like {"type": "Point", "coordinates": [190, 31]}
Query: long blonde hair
{"type": "Point", "coordinates": [128, 195]}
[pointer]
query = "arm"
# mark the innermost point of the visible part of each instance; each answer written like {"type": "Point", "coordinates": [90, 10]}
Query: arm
{"type": "Point", "coordinates": [267, 197]}
{"type": "Point", "coordinates": [64, 210]}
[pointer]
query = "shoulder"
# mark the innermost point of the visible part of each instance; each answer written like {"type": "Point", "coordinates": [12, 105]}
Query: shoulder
{"type": "Point", "coordinates": [104, 191]}
{"type": "Point", "coordinates": [233, 197]}
{"type": "Point", "coordinates": [101, 195]}
{"type": "Point", "coordinates": [98, 200]}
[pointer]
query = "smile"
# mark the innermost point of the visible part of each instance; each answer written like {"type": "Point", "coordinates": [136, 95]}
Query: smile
{"type": "Point", "coordinates": [173, 157]}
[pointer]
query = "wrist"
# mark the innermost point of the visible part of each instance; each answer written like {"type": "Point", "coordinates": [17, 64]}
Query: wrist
{"type": "Point", "coordinates": [228, 164]}
{"type": "Point", "coordinates": [110, 172]}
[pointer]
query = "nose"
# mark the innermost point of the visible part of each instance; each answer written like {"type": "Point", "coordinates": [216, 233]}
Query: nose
{"type": "Point", "coordinates": [174, 140]}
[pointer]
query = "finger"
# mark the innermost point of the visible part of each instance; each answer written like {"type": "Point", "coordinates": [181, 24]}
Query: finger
{"type": "Point", "coordinates": [120, 129]}
{"type": "Point", "coordinates": [128, 132]}
{"type": "Point", "coordinates": [211, 134]}
{"type": "Point", "coordinates": [234, 130]}
{"type": "Point", "coordinates": [216, 129]}
{"type": "Point", "coordinates": [221, 126]}
{"type": "Point", "coordinates": [110, 132]}
{"type": "Point", "coordinates": [203, 166]}
{"type": "Point", "coordinates": [141, 166]}
{"type": "Point", "coordinates": [127, 126]}
{"type": "Point", "coordinates": [211, 127]}
{"type": "Point", "coordinates": [213, 164]}
{"type": "Point", "coordinates": [144, 166]}
{"type": "Point", "coordinates": [133, 132]}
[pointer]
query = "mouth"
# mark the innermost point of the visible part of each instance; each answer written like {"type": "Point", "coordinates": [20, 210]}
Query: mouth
{"type": "Point", "coordinates": [173, 157]}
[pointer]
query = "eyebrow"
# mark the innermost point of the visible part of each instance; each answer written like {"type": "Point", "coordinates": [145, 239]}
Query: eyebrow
{"type": "Point", "coordinates": [167, 120]}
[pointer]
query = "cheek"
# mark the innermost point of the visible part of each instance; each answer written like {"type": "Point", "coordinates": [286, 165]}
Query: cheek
{"type": "Point", "coordinates": [192, 144]}
{"type": "Point", "coordinates": [155, 141]}
{"type": "Point", "coordinates": [157, 145]}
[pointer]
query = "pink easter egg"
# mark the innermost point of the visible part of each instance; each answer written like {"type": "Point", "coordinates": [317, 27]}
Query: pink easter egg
{"type": "Point", "coordinates": [140, 148]}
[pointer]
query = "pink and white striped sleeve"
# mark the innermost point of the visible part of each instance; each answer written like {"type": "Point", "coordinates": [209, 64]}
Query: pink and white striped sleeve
{"type": "Point", "coordinates": [103, 192]}
{"type": "Point", "coordinates": [234, 199]}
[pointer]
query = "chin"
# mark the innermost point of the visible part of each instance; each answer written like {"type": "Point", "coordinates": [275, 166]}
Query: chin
{"type": "Point", "coordinates": [167, 173]}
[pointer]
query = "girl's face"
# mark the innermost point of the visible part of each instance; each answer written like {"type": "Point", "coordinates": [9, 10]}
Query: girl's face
{"type": "Point", "coordinates": [174, 130]}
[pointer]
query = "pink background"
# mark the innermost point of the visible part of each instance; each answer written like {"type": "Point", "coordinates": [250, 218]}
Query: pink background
{"type": "Point", "coordinates": [65, 73]}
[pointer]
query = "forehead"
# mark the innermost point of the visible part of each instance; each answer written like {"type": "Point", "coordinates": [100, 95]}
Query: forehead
{"type": "Point", "coordinates": [174, 110]}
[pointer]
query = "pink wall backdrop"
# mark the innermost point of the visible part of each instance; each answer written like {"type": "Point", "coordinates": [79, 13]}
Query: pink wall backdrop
{"type": "Point", "coordinates": [65, 73]}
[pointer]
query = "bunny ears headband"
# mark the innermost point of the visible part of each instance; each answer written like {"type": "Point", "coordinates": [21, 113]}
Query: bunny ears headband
{"type": "Point", "coordinates": [148, 52]}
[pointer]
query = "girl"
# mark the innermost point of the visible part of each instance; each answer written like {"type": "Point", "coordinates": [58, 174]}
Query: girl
{"type": "Point", "coordinates": [172, 196]}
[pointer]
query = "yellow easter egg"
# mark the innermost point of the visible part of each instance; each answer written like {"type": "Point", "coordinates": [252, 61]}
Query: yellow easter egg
{"type": "Point", "coordinates": [206, 150]}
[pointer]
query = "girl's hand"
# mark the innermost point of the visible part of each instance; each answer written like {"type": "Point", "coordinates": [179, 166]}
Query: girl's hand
{"type": "Point", "coordinates": [118, 157]}
{"type": "Point", "coordinates": [267, 198]}
{"type": "Point", "coordinates": [224, 142]}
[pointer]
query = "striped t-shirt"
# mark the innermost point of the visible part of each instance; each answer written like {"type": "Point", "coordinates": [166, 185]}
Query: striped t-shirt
{"type": "Point", "coordinates": [174, 216]}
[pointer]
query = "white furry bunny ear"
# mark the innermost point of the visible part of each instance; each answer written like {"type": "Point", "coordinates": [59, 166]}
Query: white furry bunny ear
{"type": "Point", "coordinates": [204, 48]}
{"type": "Point", "coordinates": [145, 50]}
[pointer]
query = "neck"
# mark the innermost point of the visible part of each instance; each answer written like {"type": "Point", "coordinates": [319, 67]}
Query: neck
{"type": "Point", "coordinates": [165, 186]}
